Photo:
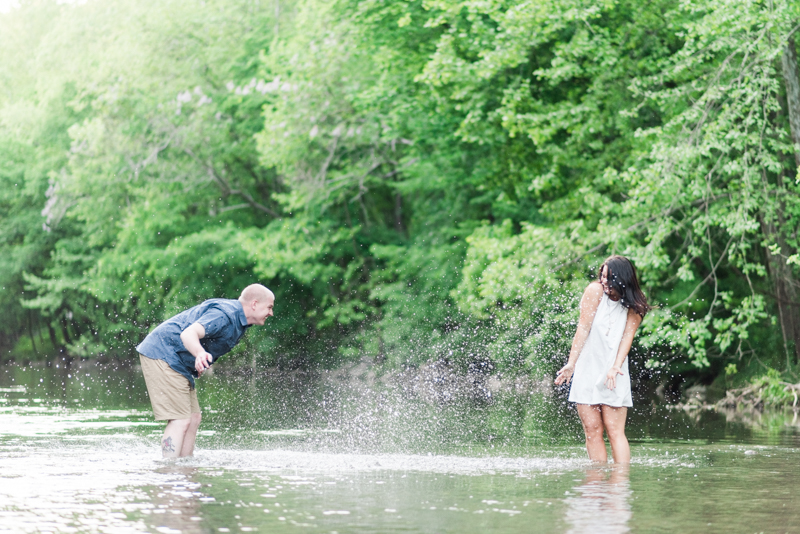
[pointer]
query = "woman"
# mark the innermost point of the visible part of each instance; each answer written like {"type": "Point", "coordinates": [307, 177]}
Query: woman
{"type": "Point", "coordinates": [611, 311]}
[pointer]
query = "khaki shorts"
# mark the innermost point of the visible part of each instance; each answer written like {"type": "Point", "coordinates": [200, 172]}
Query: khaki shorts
{"type": "Point", "coordinates": [170, 393]}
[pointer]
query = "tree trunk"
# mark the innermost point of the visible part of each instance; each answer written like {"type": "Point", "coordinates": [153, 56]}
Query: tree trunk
{"type": "Point", "coordinates": [791, 80]}
{"type": "Point", "coordinates": [30, 333]}
{"type": "Point", "coordinates": [786, 287]}
{"type": "Point", "coordinates": [53, 340]}
{"type": "Point", "coordinates": [786, 293]}
{"type": "Point", "coordinates": [65, 331]}
{"type": "Point", "coordinates": [398, 212]}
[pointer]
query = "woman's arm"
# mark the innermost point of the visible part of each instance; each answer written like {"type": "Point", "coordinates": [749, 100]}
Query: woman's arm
{"type": "Point", "coordinates": [589, 303]}
{"type": "Point", "coordinates": [631, 324]}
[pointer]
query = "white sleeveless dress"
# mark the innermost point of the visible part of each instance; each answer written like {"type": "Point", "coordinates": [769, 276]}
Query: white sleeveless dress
{"type": "Point", "coordinates": [597, 357]}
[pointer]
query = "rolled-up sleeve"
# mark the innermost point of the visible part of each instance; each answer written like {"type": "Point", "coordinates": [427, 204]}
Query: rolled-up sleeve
{"type": "Point", "coordinates": [214, 322]}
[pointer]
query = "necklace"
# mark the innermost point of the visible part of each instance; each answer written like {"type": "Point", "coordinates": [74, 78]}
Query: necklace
{"type": "Point", "coordinates": [612, 318]}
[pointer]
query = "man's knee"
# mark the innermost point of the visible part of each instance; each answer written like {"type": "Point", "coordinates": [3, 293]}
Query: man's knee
{"type": "Point", "coordinates": [195, 419]}
{"type": "Point", "coordinates": [179, 424]}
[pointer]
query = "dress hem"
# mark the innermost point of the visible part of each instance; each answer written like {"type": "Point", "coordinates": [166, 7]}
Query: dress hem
{"type": "Point", "coordinates": [602, 403]}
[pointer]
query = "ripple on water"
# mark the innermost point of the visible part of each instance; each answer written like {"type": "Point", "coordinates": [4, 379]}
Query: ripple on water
{"type": "Point", "coordinates": [312, 462]}
{"type": "Point", "coordinates": [30, 421]}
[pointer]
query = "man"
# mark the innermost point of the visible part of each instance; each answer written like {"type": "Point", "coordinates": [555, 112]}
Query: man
{"type": "Point", "coordinates": [181, 348]}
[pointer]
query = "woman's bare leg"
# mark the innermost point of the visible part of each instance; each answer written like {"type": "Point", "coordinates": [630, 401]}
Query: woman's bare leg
{"type": "Point", "coordinates": [592, 420]}
{"type": "Point", "coordinates": [614, 422]}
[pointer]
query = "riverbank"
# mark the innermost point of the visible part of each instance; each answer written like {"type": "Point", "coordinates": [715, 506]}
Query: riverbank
{"type": "Point", "coordinates": [762, 392]}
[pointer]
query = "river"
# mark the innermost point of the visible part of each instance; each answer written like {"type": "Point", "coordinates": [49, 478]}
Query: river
{"type": "Point", "coordinates": [79, 452]}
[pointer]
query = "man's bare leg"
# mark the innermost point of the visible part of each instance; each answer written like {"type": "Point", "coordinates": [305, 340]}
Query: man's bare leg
{"type": "Point", "coordinates": [187, 449]}
{"type": "Point", "coordinates": [174, 434]}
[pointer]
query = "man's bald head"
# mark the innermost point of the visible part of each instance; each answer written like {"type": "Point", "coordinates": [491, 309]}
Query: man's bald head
{"type": "Point", "coordinates": [256, 292]}
{"type": "Point", "coordinates": [257, 302]}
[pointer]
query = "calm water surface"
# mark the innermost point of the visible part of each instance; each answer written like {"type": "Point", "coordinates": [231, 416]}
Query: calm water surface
{"type": "Point", "coordinates": [79, 452]}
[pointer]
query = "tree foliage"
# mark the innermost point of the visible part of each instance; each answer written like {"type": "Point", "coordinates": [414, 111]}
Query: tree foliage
{"type": "Point", "coordinates": [417, 180]}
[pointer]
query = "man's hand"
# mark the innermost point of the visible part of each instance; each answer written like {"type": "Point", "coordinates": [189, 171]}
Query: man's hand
{"type": "Point", "coordinates": [191, 341]}
{"type": "Point", "coordinates": [203, 362]}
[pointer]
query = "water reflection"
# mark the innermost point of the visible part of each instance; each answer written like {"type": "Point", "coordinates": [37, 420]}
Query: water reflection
{"type": "Point", "coordinates": [176, 504]}
{"type": "Point", "coordinates": [601, 503]}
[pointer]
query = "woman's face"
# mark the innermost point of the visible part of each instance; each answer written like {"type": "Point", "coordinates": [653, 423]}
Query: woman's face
{"type": "Point", "coordinates": [604, 282]}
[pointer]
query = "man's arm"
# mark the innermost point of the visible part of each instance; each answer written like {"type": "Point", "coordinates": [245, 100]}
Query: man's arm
{"type": "Point", "coordinates": [191, 340]}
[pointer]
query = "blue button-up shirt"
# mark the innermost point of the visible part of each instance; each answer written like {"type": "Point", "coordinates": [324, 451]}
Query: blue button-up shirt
{"type": "Point", "coordinates": [223, 320]}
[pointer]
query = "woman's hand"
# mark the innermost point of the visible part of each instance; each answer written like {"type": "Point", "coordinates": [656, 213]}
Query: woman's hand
{"type": "Point", "coordinates": [611, 377]}
{"type": "Point", "coordinates": [565, 374]}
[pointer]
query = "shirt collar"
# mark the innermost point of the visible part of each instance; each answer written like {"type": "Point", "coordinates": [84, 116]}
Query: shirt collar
{"type": "Point", "coordinates": [240, 314]}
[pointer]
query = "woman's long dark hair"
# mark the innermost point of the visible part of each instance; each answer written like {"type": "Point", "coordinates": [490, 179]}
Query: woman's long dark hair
{"type": "Point", "coordinates": [622, 279]}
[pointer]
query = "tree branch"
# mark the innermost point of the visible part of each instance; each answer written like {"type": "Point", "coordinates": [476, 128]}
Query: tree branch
{"type": "Point", "coordinates": [226, 188]}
